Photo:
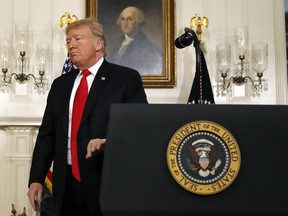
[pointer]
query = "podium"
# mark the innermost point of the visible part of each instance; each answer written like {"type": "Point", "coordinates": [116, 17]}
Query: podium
{"type": "Point", "coordinates": [136, 179]}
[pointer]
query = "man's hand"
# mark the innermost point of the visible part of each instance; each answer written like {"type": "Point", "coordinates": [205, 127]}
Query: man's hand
{"type": "Point", "coordinates": [35, 196]}
{"type": "Point", "coordinates": [95, 146]}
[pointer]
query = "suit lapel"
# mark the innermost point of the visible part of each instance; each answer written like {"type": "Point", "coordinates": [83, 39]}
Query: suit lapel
{"type": "Point", "coordinates": [102, 77]}
{"type": "Point", "coordinates": [67, 89]}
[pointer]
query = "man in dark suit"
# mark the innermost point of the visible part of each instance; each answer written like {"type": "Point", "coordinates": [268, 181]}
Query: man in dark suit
{"type": "Point", "coordinates": [107, 83]}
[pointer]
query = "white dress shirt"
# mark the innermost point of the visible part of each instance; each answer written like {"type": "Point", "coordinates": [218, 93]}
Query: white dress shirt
{"type": "Point", "coordinates": [94, 69]}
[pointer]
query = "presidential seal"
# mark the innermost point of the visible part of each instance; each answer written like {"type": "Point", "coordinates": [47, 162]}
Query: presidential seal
{"type": "Point", "coordinates": [203, 157]}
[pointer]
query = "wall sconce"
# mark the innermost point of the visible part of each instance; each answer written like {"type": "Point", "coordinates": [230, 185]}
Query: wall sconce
{"type": "Point", "coordinates": [22, 64]}
{"type": "Point", "coordinates": [242, 64]}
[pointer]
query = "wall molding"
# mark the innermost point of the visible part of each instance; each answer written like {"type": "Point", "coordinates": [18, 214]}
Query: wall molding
{"type": "Point", "coordinates": [20, 121]}
{"type": "Point", "coordinates": [280, 52]}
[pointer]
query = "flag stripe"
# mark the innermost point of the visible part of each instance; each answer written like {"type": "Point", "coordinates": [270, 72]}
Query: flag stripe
{"type": "Point", "coordinates": [48, 180]}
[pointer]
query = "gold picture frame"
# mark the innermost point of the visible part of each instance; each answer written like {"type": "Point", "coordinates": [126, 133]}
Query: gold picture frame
{"type": "Point", "coordinates": [166, 77]}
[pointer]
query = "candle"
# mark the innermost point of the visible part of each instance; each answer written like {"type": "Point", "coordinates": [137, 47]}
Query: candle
{"type": "Point", "coordinates": [21, 45]}
{"type": "Point", "coordinates": [5, 64]}
{"type": "Point", "coordinates": [42, 65]}
{"type": "Point", "coordinates": [241, 50]}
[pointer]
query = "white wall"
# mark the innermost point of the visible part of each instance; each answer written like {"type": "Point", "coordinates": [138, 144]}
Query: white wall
{"type": "Point", "coordinates": [22, 107]}
{"type": "Point", "coordinates": [265, 25]}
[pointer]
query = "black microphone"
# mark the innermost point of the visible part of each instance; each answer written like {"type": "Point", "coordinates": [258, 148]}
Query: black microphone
{"type": "Point", "coordinates": [185, 39]}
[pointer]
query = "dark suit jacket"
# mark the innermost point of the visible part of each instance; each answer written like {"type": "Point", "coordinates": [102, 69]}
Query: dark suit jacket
{"type": "Point", "coordinates": [112, 84]}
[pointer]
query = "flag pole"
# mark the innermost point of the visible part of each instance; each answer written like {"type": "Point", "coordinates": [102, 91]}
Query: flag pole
{"type": "Point", "coordinates": [201, 91]}
{"type": "Point", "coordinates": [66, 20]}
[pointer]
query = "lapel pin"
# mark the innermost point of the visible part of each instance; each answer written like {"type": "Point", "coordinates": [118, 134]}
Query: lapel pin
{"type": "Point", "coordinates": [103, 78]}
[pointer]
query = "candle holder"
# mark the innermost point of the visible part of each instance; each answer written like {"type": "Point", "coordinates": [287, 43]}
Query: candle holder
{"type": "Point", "coordinates": [14, 212]}
{"type": "Point", "coordinates": [20, 73]}
{"type": "Point", "coordinates": [242, 64]}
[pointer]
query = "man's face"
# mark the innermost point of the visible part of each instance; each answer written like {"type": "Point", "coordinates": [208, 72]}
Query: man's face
{"type": "Point", "coordinates": [128, 23]}
{"type": "Point", "coordinates": [82, 47]}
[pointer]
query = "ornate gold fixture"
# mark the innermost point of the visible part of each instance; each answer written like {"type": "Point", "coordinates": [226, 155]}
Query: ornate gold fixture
{"type": "Point", "coordinates": [197, 22]}
{"type": "Point", "coordinates": [67, 19]}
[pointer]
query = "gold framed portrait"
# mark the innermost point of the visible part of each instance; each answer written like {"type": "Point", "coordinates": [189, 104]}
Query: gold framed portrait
{"type": "Point", "coordinates": [152, 51]}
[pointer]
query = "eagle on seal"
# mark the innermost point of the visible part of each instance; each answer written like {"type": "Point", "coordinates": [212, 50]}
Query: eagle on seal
{"type": "Point", "coordinates": [204, 156]}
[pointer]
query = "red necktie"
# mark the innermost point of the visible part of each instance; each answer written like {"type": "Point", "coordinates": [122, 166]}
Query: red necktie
{"type": "Point", "coordinates": [78, 109]}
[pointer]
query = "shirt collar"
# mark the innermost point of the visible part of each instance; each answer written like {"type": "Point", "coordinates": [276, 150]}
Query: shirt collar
{"type": "Point", "coordinates": [94, 69]}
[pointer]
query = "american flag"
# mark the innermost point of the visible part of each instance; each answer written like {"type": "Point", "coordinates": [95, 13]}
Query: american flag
{"type": "Point", "coordinates": [68, 65]}
{"type": "Point", "coordinates": [201, 91]}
